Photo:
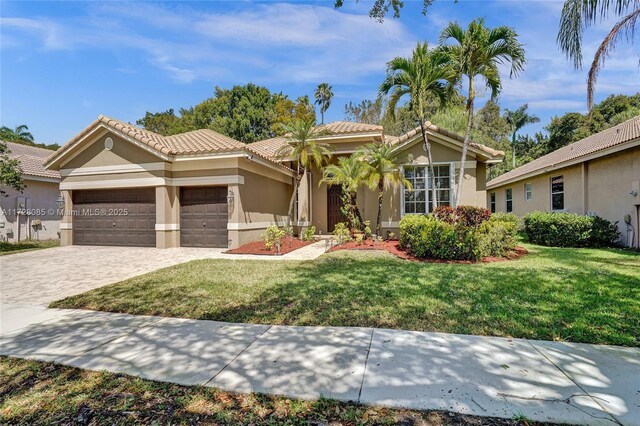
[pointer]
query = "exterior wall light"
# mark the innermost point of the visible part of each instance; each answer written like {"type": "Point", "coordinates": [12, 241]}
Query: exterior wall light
{"type": "Point", "coordinates": [230, 198]}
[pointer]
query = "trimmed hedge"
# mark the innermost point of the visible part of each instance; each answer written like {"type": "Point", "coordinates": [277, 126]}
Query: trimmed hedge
{"type": "Point", "coordinates": [426, 236]}
{"type": "Point", "coordinates": [570, 230]}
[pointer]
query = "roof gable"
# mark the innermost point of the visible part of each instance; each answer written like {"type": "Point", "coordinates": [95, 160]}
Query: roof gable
{"type": "Point", "coordinates": [31, 160]}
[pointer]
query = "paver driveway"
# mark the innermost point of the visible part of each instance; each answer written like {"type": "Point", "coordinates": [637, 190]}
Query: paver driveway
{"type": "Point", "coordinates": [42, 276]}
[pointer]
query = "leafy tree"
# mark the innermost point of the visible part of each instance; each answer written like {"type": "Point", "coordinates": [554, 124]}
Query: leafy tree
{"type": "Point", "coordinates": [477, 52]}
{"type": "Point", "coordinates": [165, 123]}
{"type": "Point", "coordinates": [578, 15]}
{"type": "Point", "coordinates": [369, 112]}
{"type": "Point", "coordinates": [421, 77]}
{"type": "Point", "coordinates": [376, 112]}
{"type": "Point", "coordinates": [517, 120]}
{"type": "Point", "coordinates": [349, 174]}
{"type": "Point", "coordinates": [383, 171]}
{"type": "Point", "coordinates": [380, 8]}
{"type": "Point", "coordinates": [18, 134]}
{"type": "Point", "coordinates": [10, 172]}
{"type": "Point", "coordinates": [304, 150]}
{"type": "Point", "coordinates": [564, 130]}
{"type": "Point", "coordinates": [287, 111]}
{"type": "Point", "coordinates": [323, 96]}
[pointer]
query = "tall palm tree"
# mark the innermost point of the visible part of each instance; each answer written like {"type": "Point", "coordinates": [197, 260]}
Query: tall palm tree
{"type": "Point", "coordinates": [304, 150]}
{"type": "Point", "coordinates": [18, 134]}
{"type": "Point", "coordinates": [577, 15]}
{"type": "Point", "coordinates": [476, 52]}
{"type": "Point", "coordinates": [323, 97]}
{"type": "Point", "coordinates": [517, 120]}
{"type": "Point", "coordinates": [383, 171]}
{"type": "Point", "coordinates": [422, 77]}
{"type": "Point", "coordinates": [350, 173]}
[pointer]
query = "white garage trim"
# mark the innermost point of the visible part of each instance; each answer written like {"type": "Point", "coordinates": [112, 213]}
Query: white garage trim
{"type": "Point", "coordinates": [66, 225]}
{"type": "Point", "coordinates": [208, 180]}
{"type": "Point", "coordinates": [113, 183]}
{"type": "Point", "coordinates": [167, 226]}
{"type": "Point", "coordinates": [123, 168]}
{"type": "Point", "coordinates": [234, 226]}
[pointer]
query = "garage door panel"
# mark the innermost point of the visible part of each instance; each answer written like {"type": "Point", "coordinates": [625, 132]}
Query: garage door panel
{"type": "Point", "coordinates": [203, 217]}
{"type": "Point", "coordinates": [112, 226]}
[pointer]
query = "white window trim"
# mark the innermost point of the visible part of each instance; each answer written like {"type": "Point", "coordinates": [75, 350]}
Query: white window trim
{"type": "Point", "coordinates": [493, 203]}
{"type": "Point", "coordinates": [551, 194]}
{"type": "Point", "coordinates": [452, 182]}
{"type": "Point", "coordinates": [506, 200]}
{"type": "Point", "coordinates": [530, 191]}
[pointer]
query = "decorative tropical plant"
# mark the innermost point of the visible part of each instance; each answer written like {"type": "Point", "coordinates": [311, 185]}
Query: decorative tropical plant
{"type": "Point", "coordinates": [323, 97]}
{"type": "Point", "coordinates": [422, 77]}
{"type": "Point", "coordinates": [383, 171]}
{"type": "Point", "coordinates": [517, 120]}
{"type": "Point", "coordinates": [349, 173]}
{"type": "Point", "coordinates": [304, 150]}
{"type": "Point", "coordinates": [18, 134]}
{"type": "Point", "coordinates": [476, 53]}
{"type": "Point", "coordinates": [577, 15]}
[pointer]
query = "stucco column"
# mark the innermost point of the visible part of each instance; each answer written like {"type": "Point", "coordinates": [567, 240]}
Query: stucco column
{"type": "Point", "coordinates": [167, 217]}
{"type": "Point", "coordinates": [66, 220]}
{"type": "Point", "coordinates": [234, 215]}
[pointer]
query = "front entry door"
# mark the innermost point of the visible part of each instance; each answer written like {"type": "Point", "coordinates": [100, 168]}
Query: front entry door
{"type": "Point", "coordinates": [334, 204]}
{"type": "Point", "coordinates": [203, 217]}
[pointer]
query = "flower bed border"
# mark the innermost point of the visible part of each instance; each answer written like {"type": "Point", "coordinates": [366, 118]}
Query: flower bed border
{"type": "Point", "coordinates": [257, 248]}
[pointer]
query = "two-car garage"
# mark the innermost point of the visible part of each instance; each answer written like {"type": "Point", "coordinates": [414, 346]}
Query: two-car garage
{"type": "Point", "coordinates": [127, 217]}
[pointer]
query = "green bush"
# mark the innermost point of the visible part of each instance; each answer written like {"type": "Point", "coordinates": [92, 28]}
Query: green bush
{"type": "Point", "coordinates": [498, 237]}
{"type": "Point", "coordinates": [342, 233]}
{"type": "Point", "coordinates": [273, 236]}
{"type": "Point", "coordinates": [506, 217]}
{"type": "Point", "coordinates": [308, 233]}
{"type": "Point", "coordinates": [569, 230]}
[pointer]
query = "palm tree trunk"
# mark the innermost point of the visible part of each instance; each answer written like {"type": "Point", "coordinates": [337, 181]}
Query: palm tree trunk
{"type": "Point", "coordinates": [513, 150]}
{"type": "Point", "coordinates": [356, 211]}
{"type": "Point", "coordinates": [296, 184]}
{"type": "Point", "coordinates": [380, 195]}
{"type": "Point", "coordinates": [467, 137]}
{"type": "Point", "coordinates": [432, 175]}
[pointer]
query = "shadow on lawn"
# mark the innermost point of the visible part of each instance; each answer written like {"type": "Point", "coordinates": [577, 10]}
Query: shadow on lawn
{"type": "Point", "coordinates": [506, 299]}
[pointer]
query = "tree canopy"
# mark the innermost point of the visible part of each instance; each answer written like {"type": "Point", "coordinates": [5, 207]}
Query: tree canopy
{"type": "Point", "coordinates": [247, 113]}
{"type": "Point", "coordinates": [21, 134]}
{"type": "Point", "coordinates": [10, 172]}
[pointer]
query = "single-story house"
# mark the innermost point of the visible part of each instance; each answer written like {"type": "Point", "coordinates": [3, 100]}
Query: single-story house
{"type": "Point", "coordinates": [34, 212]}
{"type": "Point", "coordinates": [123, 185]}
{"type": "Point", "coordinates": [598, 175]}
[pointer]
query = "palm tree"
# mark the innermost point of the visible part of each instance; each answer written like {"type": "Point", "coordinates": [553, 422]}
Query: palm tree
{"type": "Point", "coordinates": [349, 173]}
{"type": "Point", "coordinates": [577, 15]}
{"type": "Point", "coordinates": [383, 171]}
{"type": "Point", "coordinates": [517, 120]}
{"type": "Point", "coordinates": [19, 134]}
{"type": "Point", "coordinates": [422, 77]}
{"type": "Point", "coordinates": [303, 149]}
{"type": "Point", "coordinates": [477, 52]}
{"type": "Point", "coordinates": [323, 97]}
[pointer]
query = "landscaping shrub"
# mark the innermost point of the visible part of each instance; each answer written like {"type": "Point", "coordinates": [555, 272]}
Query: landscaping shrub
{"type": "Point", "coordinates": [445, 214]}
{"type": "Point", "coordinates": [273, 236]}
{"type": "Point", "coordinates": [308, 233]}
{"type": "Point", "coordinates": [506, 217]}
{"type": "Point", "coordinates": [465, 215]}
{"type": "Point", "coordinates": [497, 237]}
{"type": "Point", "coordinates": [342, 233]}
{"type": "Point", "coordinates": [569, 230]}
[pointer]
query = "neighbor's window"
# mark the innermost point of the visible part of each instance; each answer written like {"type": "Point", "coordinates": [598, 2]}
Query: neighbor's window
{"type": "Point", "coordinates": [557, 193]}
{"type": "Point", "coordinates": [528, 195]}
{"type": "Point", "coordinates": [492, 202]}
{"type": "Point", "coordinates": [419, 199]}
{"type": "Point", "coordinates": [509, 198]}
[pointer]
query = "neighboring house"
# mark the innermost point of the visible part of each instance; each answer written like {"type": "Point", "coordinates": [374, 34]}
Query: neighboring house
{"type": "Point", "coordinates": [127, 186]}
{"type": "Point", "coordinates": [32, 213]}
{"type": "Point", "coordinates": [598, 175]}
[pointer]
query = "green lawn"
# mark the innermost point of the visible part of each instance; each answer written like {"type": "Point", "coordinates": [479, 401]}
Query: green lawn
{"type": "Point", "coordinates": [578, 295]}
{"type": "Point", "coordinates": [11, 248]}
{"type": "Point", "coordinates": [42, 393]}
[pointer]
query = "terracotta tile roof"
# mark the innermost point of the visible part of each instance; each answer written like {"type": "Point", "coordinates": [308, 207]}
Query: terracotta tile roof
{"type": "Point", "coordinates": [31, 160]}
{"type": "Point", "coordinates": [437, 129]}
{"type": "Point", "coordinates": [348, 127]}
{"type": "Point", "coordinates": [624, 132]}
{"type": "Point", "coordinates": [268, 147]}
{"type": "Point", "coordinates": [202, 141]}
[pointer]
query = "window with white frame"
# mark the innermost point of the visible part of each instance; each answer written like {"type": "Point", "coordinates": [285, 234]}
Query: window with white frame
{"type": "Point", "coordinates": [492, 202]}
{"type": "Point", "coordinates": [557, 193]}
{"type": "Point", "coordinates": [419, 199]}
{"type": "Point", "coordinates": [528, 193]}
{"type": "Point", "coordinates": [509, 200]}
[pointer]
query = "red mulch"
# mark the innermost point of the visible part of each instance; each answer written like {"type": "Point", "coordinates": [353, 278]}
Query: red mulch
{"type": "Point", "coordinates": [393, 247]}
{"type": "Point", "coordinates": [257, 247]}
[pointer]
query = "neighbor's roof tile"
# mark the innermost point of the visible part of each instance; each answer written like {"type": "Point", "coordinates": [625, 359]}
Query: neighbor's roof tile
{"type": "Point", "coordinates": [608, 138]}
{"type": "Point", "coordinates": [31, 160]}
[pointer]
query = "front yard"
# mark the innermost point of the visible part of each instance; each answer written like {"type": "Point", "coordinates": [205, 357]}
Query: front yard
{"type": "Point", "coordinates": [11, 248]}
{"type": "Point", "coordinates": [577, 295]}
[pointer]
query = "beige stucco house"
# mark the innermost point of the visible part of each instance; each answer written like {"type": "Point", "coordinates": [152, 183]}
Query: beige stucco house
{"type": "Point", "coordinates": [127, 186]}
{"type": "Point", "coordinates": [32, 213]}
{"type": "Point", "coordinates": [598, 175]}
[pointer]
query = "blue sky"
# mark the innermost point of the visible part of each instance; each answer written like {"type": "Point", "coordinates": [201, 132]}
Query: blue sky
{"type": "Point", "coordinates": [64, 63]}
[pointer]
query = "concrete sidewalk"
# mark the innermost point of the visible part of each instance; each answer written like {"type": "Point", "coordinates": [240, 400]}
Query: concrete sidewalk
{"type": "Point", "coordinates": [487, 376]}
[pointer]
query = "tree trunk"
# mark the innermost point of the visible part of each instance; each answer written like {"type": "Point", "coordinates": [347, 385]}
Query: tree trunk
{"type": "Point", "coordinates": [513, 150]}
{"type": "Point", "coordinates": [467, 137]}
{"type": "Point", "coordinates": [432, 176]}
{"type": "Point", "coordinates": [296, 184]}
{"type": "Point", "coordinates": [356, 211]}
{"type": "Point", "coordinates": [380, 195]}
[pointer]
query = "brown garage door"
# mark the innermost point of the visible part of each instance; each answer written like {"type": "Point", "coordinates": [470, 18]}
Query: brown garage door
{"type": "Point", "coordinates": [115, 217]}
{"type": "Point", "coordinates": [203, 216]}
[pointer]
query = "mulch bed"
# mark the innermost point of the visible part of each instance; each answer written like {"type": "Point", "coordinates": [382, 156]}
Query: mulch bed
{"type": "Point", "coordinates": [393, 247]}
{"type": "Point", "coordinates": [257, 247]}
